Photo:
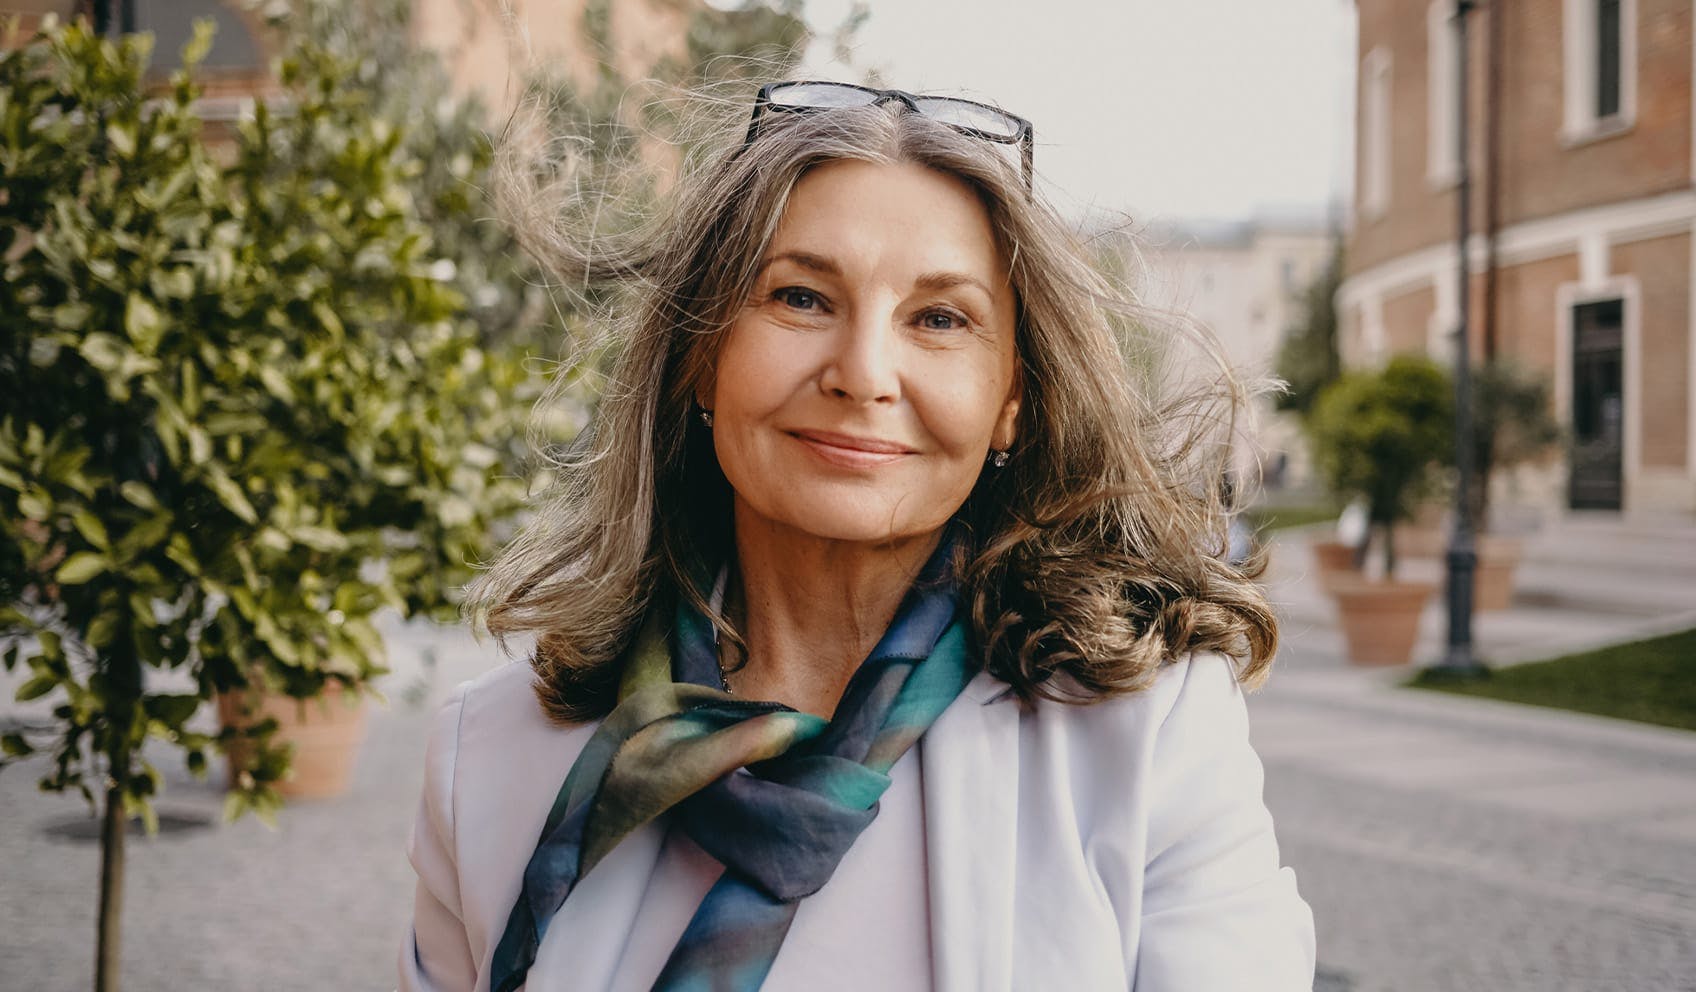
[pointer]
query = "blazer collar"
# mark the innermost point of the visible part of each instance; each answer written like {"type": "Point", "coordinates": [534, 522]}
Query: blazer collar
{"type": "Point", "coordinates": [969, 760]}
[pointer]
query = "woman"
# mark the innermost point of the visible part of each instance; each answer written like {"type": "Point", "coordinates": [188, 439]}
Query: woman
{"type": "Point", "coordinates": [882, 641]}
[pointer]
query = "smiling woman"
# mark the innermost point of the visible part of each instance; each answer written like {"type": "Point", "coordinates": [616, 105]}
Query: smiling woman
{"type": "Point", "coordinates": [878, 594]}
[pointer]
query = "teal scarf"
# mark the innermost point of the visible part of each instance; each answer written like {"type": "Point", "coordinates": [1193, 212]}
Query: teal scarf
{"type": "Point", "coordinates": [776, 795]}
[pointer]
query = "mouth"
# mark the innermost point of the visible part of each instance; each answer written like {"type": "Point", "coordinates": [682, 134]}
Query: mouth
{"type": "Point", "coordinates": [850, 451]}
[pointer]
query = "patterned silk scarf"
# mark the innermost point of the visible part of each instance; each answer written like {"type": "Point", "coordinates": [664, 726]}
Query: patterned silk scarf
{"type": "Point", "coordinates": [776, 795]}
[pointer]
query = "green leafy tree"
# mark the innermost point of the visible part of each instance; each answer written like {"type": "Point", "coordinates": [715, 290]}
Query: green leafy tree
{"type": "Point", "coordinates": [1382, 436]}
{"type": "Point", "coordinates": [238, 415]}
{"type": "Point", "coordinates": [1513, 423]}
{"type": "Point", "coordinates": [1308, 359]}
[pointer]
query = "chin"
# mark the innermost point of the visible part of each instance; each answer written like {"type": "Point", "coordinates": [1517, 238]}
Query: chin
{"type": "Point", "coordinates": [856, 519]}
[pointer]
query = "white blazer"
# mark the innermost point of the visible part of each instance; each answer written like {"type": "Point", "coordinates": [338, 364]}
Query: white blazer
{"type": "Point", "coordinates": [1122, 845]}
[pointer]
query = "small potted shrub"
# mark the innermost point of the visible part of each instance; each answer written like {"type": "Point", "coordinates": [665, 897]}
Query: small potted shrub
{"type": "Point", "coordinates": [1341, 553]}
{"type": "Point", "coordinates": [1514, 424]}
{"type": "Point", "coordinates": [1380, 437]}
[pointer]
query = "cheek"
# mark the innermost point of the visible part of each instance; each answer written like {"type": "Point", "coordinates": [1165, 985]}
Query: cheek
{"type": "Point", "coordinates": [961, 409]}
{"type": "Point", "coordinates": [747, 374]}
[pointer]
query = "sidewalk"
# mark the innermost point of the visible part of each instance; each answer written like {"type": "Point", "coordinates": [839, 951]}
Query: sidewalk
{"type": "Point", "coordinates": [320, 903]}
{"type": "Point", "coordinates": [1456, 843]}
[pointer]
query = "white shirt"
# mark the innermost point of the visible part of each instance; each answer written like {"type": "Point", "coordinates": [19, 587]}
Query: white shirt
{"type": "Point", "coordinates": [867, 929]}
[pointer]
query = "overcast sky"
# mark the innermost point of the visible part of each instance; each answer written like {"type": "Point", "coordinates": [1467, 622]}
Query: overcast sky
{"type": "Point", "coordinates": [1175, 110]}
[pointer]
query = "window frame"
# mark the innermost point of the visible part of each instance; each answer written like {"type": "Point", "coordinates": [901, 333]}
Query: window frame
{"type": "Point", "coordinates": [1376, 137]}
{"type": "Point", "coordinates": [1581, 72]}
{"type": "Point", "coordinates": [1442, 137]}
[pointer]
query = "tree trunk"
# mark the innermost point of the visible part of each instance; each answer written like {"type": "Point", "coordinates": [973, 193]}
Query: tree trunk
{"type": "Point", "coordinates": [106, 978]}
{"type": "Point", "coordinates": [1389, 532]}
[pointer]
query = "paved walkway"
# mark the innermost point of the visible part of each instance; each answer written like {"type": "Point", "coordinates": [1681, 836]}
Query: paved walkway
{"type": "Point", "coordinates": [1444, 843]}
{"type": "Point", "coordinates": [1453, 843]}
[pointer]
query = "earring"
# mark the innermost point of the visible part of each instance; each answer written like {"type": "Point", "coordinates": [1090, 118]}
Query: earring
{"type": "Point", "coordinates": [707, 417]}
{"type": "Point", "coordinates": [998, 458]}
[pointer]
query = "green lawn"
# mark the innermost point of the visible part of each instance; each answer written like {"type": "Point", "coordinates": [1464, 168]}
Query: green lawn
{"type": "Point", "coordinates": [1651, 681]}
{"type": "Point", "coordinates": [1270, 518]}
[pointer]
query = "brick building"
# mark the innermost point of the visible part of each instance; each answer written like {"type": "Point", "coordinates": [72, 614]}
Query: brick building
{"type": "Point", "coordinates": [1583, 153]}
{"type": "Point", "coordinates": [469, 35]}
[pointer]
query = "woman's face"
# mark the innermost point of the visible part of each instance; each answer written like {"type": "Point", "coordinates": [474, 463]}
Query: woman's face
{"type": "Point", "coordinates": [864, 381]}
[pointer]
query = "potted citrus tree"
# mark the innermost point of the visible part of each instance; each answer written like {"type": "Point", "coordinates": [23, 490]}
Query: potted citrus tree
{"type": "Point", "coordinates": [238, 417]}
{"type": "Point", "coordinates": [1381, 436]}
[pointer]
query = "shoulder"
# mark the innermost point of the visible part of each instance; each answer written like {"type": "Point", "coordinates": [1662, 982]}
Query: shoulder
{"type": "Point", "coordinates": [1132, 764]}
{"type": "Point", "coordinates": [496, 738]}
{"type": "Point", "coordinates": [1197, 691]}
{"type": "Point", "coordinates": [503, 693]}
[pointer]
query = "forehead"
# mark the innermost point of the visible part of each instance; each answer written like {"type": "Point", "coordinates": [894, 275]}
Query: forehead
{"type": "Point", "coordinates": [875, 215]}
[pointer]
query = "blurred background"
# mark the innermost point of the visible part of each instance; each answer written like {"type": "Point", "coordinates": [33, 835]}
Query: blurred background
{"type": "Point", "coordinates": [267, 361]}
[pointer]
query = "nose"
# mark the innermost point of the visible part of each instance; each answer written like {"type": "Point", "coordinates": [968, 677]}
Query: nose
{"type": "Point", "coordinates": [864, 364]}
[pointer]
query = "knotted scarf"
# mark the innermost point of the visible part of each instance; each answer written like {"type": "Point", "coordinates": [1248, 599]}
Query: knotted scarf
{"type": "Point", "coordinates": [776, 795]}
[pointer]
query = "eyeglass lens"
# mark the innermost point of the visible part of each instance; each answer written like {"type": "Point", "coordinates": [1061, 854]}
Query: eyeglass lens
{"type": "Point", "coordinates": [960, 113]}
{"type": "Point", "coordinates": [818, 95]}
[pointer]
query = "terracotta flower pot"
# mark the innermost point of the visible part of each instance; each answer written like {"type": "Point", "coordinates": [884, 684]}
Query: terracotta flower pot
{"type": "Point", "coordinates": [326, 733]}
{"type": "Point", "coordinates": [1421, 540]}
{"type": "Point", "coordinates": [1380, 619]}
{"type": "Point", "coordinates": [1334, 558]}
{"type": "Point", "coordinates": [1492, 583]}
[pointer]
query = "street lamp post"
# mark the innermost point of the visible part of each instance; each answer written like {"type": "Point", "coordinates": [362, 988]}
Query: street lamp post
{"type": "Point", "coordinates": [1458, 658]}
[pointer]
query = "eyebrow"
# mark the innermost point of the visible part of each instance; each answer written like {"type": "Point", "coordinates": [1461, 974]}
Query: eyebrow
{"type": "Point", "coordinates": [932, 281]}
{"type": "Point", "coordinates": [806, 260]}
{"type": "Point", "coordinates": [948, 280]}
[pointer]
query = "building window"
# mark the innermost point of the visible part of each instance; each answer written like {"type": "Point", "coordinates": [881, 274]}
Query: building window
{"type": "Point", "coordinates": [1375, 133]}
{"type": "Point", "coordinates": [1600, 42]}
{"type": "Point", "coordinates": [1607, 58]}
{"type": "Point", "coordinates": [1442, 166]}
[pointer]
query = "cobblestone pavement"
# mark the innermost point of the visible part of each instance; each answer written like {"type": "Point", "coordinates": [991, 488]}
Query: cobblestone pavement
{"type": "Point", "coordinates": [1441, 850]}
{"type": "Point", "coordinates": [1444, 843]}
{"type": "Point", "coordinates": [1461, 844]}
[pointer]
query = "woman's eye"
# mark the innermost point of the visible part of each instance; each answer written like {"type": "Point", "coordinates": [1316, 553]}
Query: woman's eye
{"type": "Point", "coordinates": [941, 320]}
{"type": "Point", "coordinates": [797, 298]}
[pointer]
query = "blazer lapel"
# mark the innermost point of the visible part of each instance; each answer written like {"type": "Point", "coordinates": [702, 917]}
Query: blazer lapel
{"type": "Point", "coordinates": [586, 940]}
{"type": "Point", "coordinates": [970, 762]}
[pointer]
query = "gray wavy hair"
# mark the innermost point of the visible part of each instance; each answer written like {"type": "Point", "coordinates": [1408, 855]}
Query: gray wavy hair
{"type": "Point", "coordinates": [1095, 556]}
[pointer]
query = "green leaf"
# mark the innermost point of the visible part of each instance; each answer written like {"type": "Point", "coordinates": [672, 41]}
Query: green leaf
{"type": "Point", "coordinates": [139, 495]}
{"type": "Point", "coordinates": [171, 710]}
{"type": "Point", "coordinates": [104, 351]}
{"type": "Point", "coordinates": [230, 494]}
{"type": "Point", "coordinates": [34, 504]}
{"type": "Point", "coordinates": [14, 746]}
{"type": "Point", "coordinates": [101, 630]}
{"type": "Point", "coordinates": [80, 567]}
{"type": "Point", "coordinates": [143, 323]}
{"type": "Point", "coordinates": [122, 139]}
{"type": "Point", "coordinates": [35, 688]}
{"type": "Point", "coordinates": [72, 316]}
{"type": "Point", "coordinates": [320, 538]}
{"type": "Point", "coordinates": [145, 535]}
{"type": "Point", "coordinates": [91, 528]}
{"type": "Point", "coordinates": [276, 384]}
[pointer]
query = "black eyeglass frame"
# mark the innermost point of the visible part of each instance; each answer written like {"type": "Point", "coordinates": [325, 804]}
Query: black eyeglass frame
{"type": "Point", "coordinates": [1025, 137]}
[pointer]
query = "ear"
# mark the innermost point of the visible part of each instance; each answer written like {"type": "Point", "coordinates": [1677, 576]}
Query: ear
{"type": "Point", "coordinates": [705, 388]}
{"type": "Point", "coordinates": [1007, 424]}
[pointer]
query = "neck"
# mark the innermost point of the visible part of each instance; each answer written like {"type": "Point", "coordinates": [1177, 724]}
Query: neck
{"type": "Point", "coordinates": [812, 609]}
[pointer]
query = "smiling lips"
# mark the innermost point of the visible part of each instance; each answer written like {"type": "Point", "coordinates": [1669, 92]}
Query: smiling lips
{"type": "Point", "coordinates": [848, 451]}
